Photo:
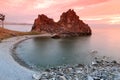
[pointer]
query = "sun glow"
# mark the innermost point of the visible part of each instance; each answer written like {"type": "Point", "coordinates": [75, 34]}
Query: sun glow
{"type": "Point", "coordinates": [109, 19]}
{"type": "Point", "coordinates": [44, 4]}
{"type": "Point", "coordinates": [115, 20]}
{"type": "Point", "coordinates": [79, 8]}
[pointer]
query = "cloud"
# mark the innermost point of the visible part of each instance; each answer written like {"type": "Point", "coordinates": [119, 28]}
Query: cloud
{"type": "Point", "coordinates": [27, 10]}
{"type": "Point", "coordinates": [43, 4]}
{"type": "Point", "coordinates": [106, 19]}
{"type": "Point", "coordinates": [56, 7]}
{"type": "Point", "coordinates": [114, 19]}
{"type": "Point", "coordinates": [111, 7]}
{"type": "Point", "coordinates": [107, 12]}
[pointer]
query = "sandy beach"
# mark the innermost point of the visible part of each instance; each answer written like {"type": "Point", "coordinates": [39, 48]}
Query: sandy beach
{"type": "Point", "coordinates": [9, 68]}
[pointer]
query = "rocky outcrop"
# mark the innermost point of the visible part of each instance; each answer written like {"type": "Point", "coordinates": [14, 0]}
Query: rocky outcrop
{"type": "Point", "coordinates": [56, 36]}
{"type": "Point", "coordinates": [68, 25]}
{"type": "Point", "coordinates": [43, 23]}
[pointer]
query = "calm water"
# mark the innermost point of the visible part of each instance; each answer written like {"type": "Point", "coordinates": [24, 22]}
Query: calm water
{"type": "Point", "coordinates": [45, 52]}
{"type": "Point", "coordinates": [24, 28]}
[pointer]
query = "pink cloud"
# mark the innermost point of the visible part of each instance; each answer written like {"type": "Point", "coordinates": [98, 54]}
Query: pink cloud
{"type": "Point", "coordinates": [27, 10]}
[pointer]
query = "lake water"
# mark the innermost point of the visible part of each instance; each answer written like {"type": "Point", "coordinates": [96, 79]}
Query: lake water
{"type": "Point", "coordinates": [45, 52]}
{"type": "Point", "coordinates": [24, 28]}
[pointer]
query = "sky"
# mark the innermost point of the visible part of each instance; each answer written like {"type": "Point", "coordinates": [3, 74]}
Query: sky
{"type": "Point", "coordinates": [91, 11]}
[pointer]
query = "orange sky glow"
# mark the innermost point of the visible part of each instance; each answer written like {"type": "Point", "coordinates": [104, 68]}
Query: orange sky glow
{"type": "Point", "coordinates": [91, 11]}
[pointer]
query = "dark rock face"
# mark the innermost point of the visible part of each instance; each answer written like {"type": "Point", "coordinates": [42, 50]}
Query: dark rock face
{"type": "Point", "coordinates": [56, 36]}
{"type": "Point", "coordinates": [68, 25]}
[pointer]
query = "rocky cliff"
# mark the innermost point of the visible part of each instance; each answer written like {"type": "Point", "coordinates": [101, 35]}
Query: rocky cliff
{"type": "Point", "coordinates": [68, 25]}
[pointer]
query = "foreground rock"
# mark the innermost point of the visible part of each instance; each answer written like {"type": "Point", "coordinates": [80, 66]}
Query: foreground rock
{"type": "Point", "coordinates": [68, 25]}
{"type": "Point", "coordinates": [100, 70]}
{"type": "Point", "coordinates": [56, 36]}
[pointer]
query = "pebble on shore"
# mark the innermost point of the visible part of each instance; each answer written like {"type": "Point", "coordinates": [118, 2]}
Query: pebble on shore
{"type": "Point", "coordinates": [100, 70]}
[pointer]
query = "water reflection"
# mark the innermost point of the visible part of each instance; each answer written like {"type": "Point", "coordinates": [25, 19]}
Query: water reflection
{"type": "Point", "coordinates": [48, 51]}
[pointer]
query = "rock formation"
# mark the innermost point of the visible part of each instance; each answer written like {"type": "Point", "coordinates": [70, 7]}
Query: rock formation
{"type": "Point", "coordinates": [68, 25]}
{"type": "Point", "coordinates": [43, 23]}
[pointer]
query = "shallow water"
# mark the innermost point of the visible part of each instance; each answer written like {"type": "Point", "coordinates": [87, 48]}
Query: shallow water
{"type": "Point", "coordinates": [48, 52]}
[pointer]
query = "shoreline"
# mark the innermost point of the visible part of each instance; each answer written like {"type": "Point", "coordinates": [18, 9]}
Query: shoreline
{"type": "Point", "coordinates": [14, 53]}
{"type": "Point", "coordinates": [11, 65]}
{"type": "Point", "coordinates": [109, 69]}
{"type": "Point", "coordinates": [10, 68]}
{"type": "Point", "coordinates": [16, 58]}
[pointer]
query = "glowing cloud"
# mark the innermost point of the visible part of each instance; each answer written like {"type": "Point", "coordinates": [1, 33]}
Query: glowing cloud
{"type": "Point", "coordinates": [101, 11]}
{"type": "Point", "coordinates": [43, 4]}
{"type": "Point", "coordinates": [115, 20]}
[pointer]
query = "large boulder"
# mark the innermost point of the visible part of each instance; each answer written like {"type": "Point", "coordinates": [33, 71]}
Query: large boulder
{"type": "Point", "coordinates": [68, 25]}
